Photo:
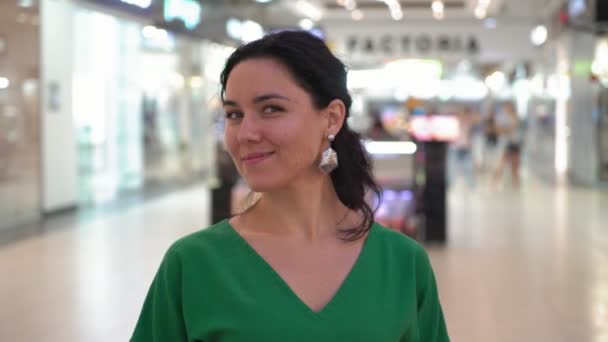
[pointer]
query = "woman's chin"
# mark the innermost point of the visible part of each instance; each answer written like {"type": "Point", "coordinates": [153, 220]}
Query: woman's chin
{"type": "Point", "coordinates": [263, 185]}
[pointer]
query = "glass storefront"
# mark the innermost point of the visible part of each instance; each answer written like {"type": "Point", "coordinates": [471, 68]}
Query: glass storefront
{"type": "Point", "coordinates": [603, 133]}
{"type": "Point", "coordinates": [600, 70]}
{"type": "Point", "coordinates": [137, 106]}
{"type": "Point", "coordinates": [137, 96]}
{"type": "Point", "coordinates": [105, 106]}
{"type": "Point", "coordinates": [19, 113]}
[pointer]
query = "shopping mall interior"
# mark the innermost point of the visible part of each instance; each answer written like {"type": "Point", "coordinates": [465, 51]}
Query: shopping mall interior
{"type": "Point", "coordinates": [486, 122]}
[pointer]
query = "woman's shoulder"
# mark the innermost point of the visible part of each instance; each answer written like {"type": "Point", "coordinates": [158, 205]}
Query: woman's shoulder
{"type": "Point", "coordinates": [397, 241]}
{"type": "Point", "coordinates": [406, 251]}
{"type": "Point", "coordinates": [214, 237]}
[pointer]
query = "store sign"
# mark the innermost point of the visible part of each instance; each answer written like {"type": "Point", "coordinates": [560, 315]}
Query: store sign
{"type": "Point", "coordinates": [408, 44]}
{"type": "Point", "coordinates": [186, 11]}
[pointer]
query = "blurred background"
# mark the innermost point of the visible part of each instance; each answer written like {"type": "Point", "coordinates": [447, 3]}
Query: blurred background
{"type": "Point", "coordinates": [486, 121]}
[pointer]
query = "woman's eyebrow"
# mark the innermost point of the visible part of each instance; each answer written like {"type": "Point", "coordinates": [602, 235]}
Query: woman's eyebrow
{"type": "Point", "coordinates": [265, 97]}
{"type": "Point", "coordinates": [257, 99]}
{"type": "Point", "coordinates": [226, 102]}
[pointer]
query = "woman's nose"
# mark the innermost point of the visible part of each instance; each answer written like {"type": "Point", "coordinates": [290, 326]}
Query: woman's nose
{"type": "Point", "coordinates": [249, 129]}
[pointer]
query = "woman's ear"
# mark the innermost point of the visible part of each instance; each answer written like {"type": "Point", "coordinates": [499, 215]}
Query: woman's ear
{"type": "Point", "coordinates": [336, 114]}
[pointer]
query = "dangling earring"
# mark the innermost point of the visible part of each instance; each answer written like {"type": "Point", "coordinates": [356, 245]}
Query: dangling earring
{"type": "Point", "coordinates": [329, 158]}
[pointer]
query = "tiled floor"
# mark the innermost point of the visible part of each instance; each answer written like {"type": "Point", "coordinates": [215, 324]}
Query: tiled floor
{"type": "Point", "coordinates": [529, 265]}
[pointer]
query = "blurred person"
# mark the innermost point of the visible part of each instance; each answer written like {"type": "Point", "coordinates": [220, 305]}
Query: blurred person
{"type": "Point", "coordinates": [491, 140]}
{"type": "Point", "coordinates": [377, 130]}
{"type": "Point", "coordinates": [510, 141]}
{"type": "Point", "coordinates": [306, 262]}
{"type": "Point", "coordinates": [462, 159]}
{"type": "Point", "coordinates": [221, 195]}
{"type": "Point", "coordinates": [490, 129]}
{"type": "Point", "coordinates": [489, 149]}
{"type": "Point", "coordinates": [478, 142]}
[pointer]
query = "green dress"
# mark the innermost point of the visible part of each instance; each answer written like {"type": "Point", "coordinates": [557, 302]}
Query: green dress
{"type": "Point", "coordinates": [212, 286]}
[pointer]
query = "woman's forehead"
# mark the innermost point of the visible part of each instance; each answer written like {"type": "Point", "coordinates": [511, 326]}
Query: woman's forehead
{"type": "Point", "coordinates": [260, 68]}
{"type": "Point", "coordinates": [258, 77]}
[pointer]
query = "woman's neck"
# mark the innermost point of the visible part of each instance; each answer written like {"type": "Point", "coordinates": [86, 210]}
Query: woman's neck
{"type": "Point", "coordinates": [308, 210]}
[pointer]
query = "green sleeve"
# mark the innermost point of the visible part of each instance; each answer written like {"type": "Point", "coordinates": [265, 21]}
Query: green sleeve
{"type": "Point", "coordinates": [161, 318]}
{"type": "Point", "coordinates": [431, 324]}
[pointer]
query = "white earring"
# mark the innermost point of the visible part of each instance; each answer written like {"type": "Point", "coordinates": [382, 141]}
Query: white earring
{"type": "Point", "coordinates": [329, 158]}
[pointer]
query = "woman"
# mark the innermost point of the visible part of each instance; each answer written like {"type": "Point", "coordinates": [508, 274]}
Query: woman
{"type": "Point", "coordinates": [508, 128]}
{"type": "Point", "coordinates": [306, 262]}
{"type": "Point", "coordinates": [463, 161]}
{"type": "Point", "coordinates": [491, 142]}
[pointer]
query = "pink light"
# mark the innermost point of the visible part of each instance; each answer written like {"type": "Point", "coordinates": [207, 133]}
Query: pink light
{"type": "Point", "coordinates": [434, 128]}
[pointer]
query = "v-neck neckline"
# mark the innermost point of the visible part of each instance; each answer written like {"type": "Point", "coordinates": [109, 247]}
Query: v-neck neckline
{"type": "Point", "coordinates": [285, 286]}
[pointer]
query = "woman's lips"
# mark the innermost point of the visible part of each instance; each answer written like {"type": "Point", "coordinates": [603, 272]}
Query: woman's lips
{"type": "Point", "coordinates": [255, 158]}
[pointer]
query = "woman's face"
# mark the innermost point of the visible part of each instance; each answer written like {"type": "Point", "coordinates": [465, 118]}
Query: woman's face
{"type": "Point", "coordinates": [273, 131]}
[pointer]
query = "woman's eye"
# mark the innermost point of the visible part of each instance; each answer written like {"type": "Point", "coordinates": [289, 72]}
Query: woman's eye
{"type": "Point", "coordinates": [272, 109]}
{"type": "Point", "coordinates": [233, 115]}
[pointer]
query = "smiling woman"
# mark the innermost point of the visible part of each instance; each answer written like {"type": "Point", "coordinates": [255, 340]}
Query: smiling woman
{"type": "Point", "coordinates": [269, 135]}
{"type": "Point", "coordinates": [306, 262]}
{"type": "Point", "coordinates": [285, 99]}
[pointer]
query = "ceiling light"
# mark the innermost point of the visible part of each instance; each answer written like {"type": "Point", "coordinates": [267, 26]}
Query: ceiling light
{"type": "Point", "coordinates": [245, 31]}
{"type": "Point", "coordinates": [4, 83]}
{"type": "Point", "coordinates": [437, 6]}
{"type": "Point", "coordinates": [394, 8]}
{"type": "Point", "coordinates": [25, 3]}
{"type": "Point", "coordinates": [154, 33]}
{"type": "Point", "coordinates": [309, 10]}
{"type": "Point", "coordinates": [496, 81]}
{"type": "Point", "coordinates": [401, 94]}
{"type": "Point", "coordinates": [263, 1]}
{"type": "Point", "coordinates": [251, 31]}
{"type": "Point", "coordinates": [356, 15]}
{"type": "Point", "coordinates": [350, 4]}
{"type": "Point", "coordinates": [148, 31]}
{"type": "Point", "coordinates": [397, 15]}
{"type": "Point", "coordinates": [480, 12]}
{"type": "Point", "coordinates": [234, 28]}
{"type": "Point", "coordinates": [139, 3]}
{"type": "Point", "coordinates": [186, 11]}
{"type": "Point", "coordinates": [538, 36]}
{"type": "Point", "coordinates": [306, 24]}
